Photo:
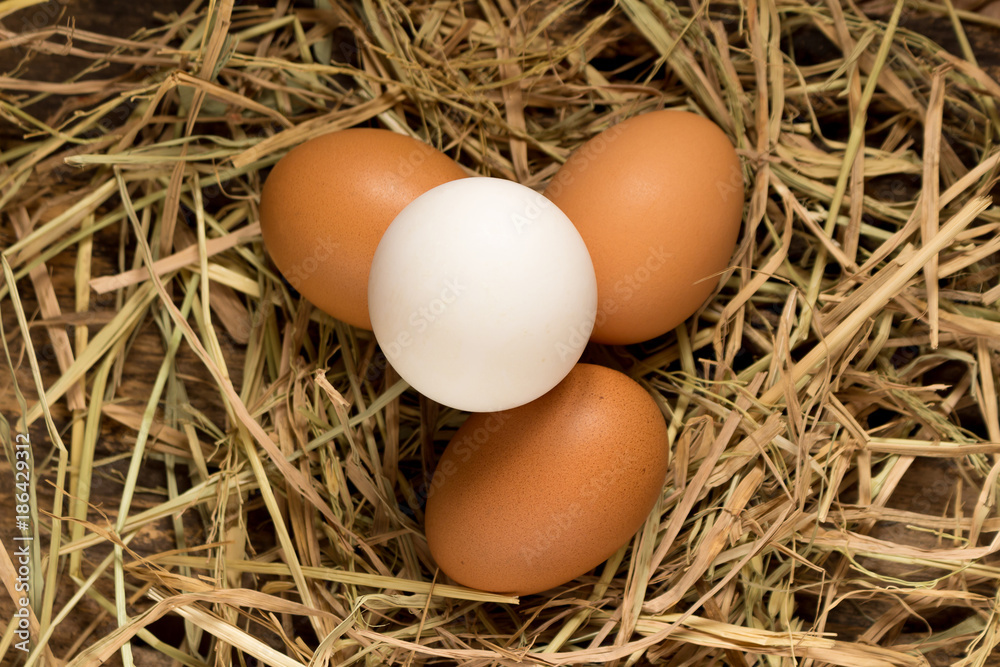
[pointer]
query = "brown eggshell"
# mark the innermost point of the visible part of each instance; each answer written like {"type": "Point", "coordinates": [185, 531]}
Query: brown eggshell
{"type": "Point", "coordinates": [326, 204]}
{"type": "Point", "coordinates": [530, 498]}
{"type": "Point", "coordinates": [658, 199]}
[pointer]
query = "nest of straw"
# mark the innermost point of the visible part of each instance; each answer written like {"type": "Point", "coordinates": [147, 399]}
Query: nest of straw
{"type": "Point", "coordinates": [222, 474]}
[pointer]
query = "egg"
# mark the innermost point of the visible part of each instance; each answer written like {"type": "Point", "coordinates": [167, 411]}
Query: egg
{"type": "Point", "coordinates": [482, 294]}
{"type": "Point", "coordinates": [658, 200]}
{"type": "Point", "coordinates": [528, 499]}
{"type": "Point", "coordinates": [326, 204]}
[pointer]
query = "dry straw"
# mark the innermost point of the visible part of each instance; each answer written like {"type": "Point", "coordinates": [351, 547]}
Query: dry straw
{"type": "Point", "coordinates": [833, 408]}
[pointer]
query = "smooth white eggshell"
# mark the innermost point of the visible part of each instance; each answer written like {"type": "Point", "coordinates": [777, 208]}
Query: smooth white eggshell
{"type": "Point", "coordinates": [482, 294]}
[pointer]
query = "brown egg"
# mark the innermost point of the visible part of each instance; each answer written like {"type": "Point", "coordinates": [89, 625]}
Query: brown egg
{"type": "Point", "coordinates": [658, 199]}
{"type": "Point", "coordinates": [325, 205]}
{"type": "Point", "coordinates": [530, 498]}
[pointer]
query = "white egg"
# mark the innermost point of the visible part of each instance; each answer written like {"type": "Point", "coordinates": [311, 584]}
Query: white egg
{"type": "Point", "coordinates": [482, 294]}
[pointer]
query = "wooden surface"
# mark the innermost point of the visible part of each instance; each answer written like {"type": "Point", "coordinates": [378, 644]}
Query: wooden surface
{"type": "Point", "coordinates": [929, 487]}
